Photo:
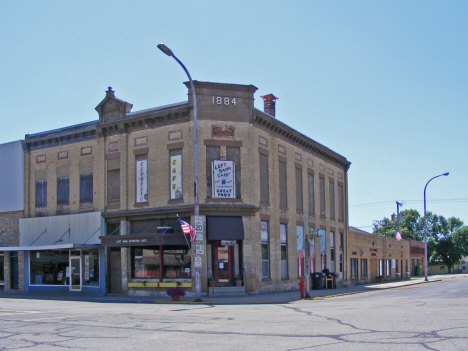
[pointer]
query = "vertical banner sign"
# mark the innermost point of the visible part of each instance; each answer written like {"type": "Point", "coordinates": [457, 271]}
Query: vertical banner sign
{"type": "Point", "coordinates": [142, 181]}
{"type": "Point", "coordinates": [323, 249]}
{"type": "Point", "coordinates": [176, 177]}
{"type": "Point", "coordinates": [223, 179]}
{"type": "Point", "coordinates": [300, 250]}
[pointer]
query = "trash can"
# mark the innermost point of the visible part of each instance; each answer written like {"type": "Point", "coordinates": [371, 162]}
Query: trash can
{"type": "Point", "coordinates": [418, 271]}
{"type": "Point", "coordinates": [317, 281]}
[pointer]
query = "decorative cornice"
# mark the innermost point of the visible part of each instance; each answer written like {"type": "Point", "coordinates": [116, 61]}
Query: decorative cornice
{"type": "Point", "coordinates": [145, 119]}
{"type": "Point", "coordinates": [284, 132]}
{"type": "Point", "coordinates": [223, 86]}
{"type": "Point", "coordinates": [57, 137]}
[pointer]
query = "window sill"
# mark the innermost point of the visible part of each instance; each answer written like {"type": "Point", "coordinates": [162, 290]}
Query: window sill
{"type": "Point", "coordinates": [86, 206]}
{"type": "Point", "coordinates": [266, 204]}
{"type": "Point", "coordinates": [113, 204]}
{"type": "Point", "coordinates": [285, 279]}
{"type": "Point", "coordinates": [266, 280]}
{"type": "Point", "coordinates": [141, 204]}
{"type": "Point", "coordinates": [175, 201]}
{"type": "Point", "coordinates": [212, 200]}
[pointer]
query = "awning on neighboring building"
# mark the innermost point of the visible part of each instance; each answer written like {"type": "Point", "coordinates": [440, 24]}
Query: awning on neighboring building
{"type": "Point", "coordinates": [150, 239]}
{"type": "Point", "coordinates": [224, 228]}
{"type": "Point", "coordinates": [51, 247]}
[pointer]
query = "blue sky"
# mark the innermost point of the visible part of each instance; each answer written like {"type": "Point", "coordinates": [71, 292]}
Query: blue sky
{"type": "Point", "coordinates": [383, 83]}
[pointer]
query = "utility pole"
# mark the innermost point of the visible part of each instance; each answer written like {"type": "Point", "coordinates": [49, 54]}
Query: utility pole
{"type": "Point", "coordinates": [398, 218]}
{"type": "Point", "coordinates": [307, 256]}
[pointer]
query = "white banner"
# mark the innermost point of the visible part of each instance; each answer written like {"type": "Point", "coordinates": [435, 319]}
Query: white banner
{"type": "Point", "coordinates": [223, 179]}
{"type": "Point", "coordinates": [176, 177]}
{"type": "Point", "coordinates": [142, 181]}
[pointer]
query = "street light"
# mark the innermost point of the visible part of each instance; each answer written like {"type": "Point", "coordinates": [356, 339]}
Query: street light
{"type": "Point", "coordinates": [169, 52]}
{"type": "Point", "coordinates": [425, 225]}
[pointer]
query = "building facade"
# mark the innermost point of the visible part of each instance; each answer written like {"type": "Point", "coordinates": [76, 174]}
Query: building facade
{"type": "Point", "coordinates": [11, 210]}
{"type": "Point", "coordinates": [103, 200]}
{"type": "Point", "coordinates": [371, 256]}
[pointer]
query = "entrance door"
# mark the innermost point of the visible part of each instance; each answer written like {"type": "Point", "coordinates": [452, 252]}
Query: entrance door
{"type": "Point", "coordinates": [75, 273]}
{"type": "Point", "coordinates": [115, 270]}
{"type": "Point", "coordinates": [223, 263]}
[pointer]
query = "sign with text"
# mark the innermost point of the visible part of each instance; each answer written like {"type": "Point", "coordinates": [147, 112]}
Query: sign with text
{"type": "Point", "coordinates": [142, 181]}
{"type": "Point", "coordinates": [199, 227]}
{"type": "Point", "coordinates": [176, 177]}
{"type": "Point", "coordinates": [223, 179]}
{"type": "Point", "coordinates": [199, 249]}
{"type": "Point", "coordinates": [198, 261]}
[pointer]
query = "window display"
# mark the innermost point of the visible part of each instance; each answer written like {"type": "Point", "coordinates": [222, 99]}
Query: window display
{"type": "Point", "coordinates": [48, 267]}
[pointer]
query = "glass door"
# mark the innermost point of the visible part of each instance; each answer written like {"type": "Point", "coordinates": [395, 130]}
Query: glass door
{"type": "Point", "coordinates": [75, 273]}
{"type": "Point", "coordinates": [223, 264]}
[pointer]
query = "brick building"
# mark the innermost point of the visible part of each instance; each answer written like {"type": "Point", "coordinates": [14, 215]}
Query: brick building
{"type": "Point", "coordinates": [103, 199]}
{"type": "Point", "coordinates": [11, 210]}
{"type": "Point", "coordinates": [371, 256]}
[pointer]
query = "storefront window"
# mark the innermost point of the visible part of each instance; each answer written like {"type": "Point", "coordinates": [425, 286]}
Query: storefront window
{"type": "Point", "coordinates": [176, 262]}
{"type": "Point", "coordinates": [90, 267]}
{"type": "Point", "coordinates": [48, 267]}
{"type": "Point", "coordinates": [146, 262]}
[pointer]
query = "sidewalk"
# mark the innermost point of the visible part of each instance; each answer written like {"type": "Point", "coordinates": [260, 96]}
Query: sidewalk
{"type": "Point", "coordinates": [275, 298]}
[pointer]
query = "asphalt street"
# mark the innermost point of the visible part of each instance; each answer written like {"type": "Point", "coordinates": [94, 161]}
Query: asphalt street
{"type": "Point", "coordinates": [429, 316]}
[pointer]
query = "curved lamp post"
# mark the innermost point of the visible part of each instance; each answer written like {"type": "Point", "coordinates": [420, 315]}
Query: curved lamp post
{"type": "Point", "coordinates": [169, 52]}
{"type": "Point", "coordinates": [425, 225]}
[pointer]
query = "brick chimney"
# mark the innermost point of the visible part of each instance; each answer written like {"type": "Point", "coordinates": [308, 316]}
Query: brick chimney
{"type": "Point", "coordinates": [269, 104]}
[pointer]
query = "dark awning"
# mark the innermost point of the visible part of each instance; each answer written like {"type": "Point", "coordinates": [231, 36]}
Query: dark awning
{"type": "Point", "coordinates": [224, 228]}
{"type": "Point", "coordinates": [151, 239]}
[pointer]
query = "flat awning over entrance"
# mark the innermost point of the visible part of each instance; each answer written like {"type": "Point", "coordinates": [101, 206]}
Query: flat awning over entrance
{"type": "Point", "coordinates": [151, 239]}
{"type": "Point", "coordinates": [51, 247]}
{"type": "Point", "coordinates": [224, 228]}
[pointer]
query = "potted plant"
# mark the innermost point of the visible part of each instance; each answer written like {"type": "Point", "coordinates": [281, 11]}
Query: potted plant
{"type": "Point", "coordinates": [380, 278]}
{"type": "Point", "coordinates": [211, 281]}
{"type": "Point", "coordinates": [238, 279]}
{"type": "Point", "coordinates": [175, 293]}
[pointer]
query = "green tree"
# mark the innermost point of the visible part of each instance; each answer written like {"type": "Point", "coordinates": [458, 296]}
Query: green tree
{"type": "Point", "coordinates": [447, 238]}
{"type": "Point", "coordinates": [411, 226]}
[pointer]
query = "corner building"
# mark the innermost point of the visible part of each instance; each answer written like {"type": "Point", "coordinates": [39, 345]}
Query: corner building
{"type": "Point", "coordinates": [109, 194]}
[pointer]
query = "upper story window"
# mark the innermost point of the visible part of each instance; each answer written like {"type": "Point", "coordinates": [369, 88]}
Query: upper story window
{"type": "Point", "coordinates": [86, 185]}
{"type": "Point", "coordinates": [175, 174]}
{"type": "Point", "coordinates": [63, 190]}
{"type": "Point", "coordinates": [310, 183]}
{"type": "Point", "coordinates": [264, 179]}
{"type": "Point", "coordinates": [299, 196]}
{"type": "Point", "coordinates": [86, 188]}
{"type": "Point", "coordinates": [322, 196]}
{"type": "Point", "coordinates": [141, 179]}
{"type": "Point", "coordinates": [223, 172]}
{"type": "Point", "coordinates": [41, 193]}
{"type": "Point", "coordinates": [340, 203]}
{"type": "Point", "coordinates": [283, 190]}
{"type": "Point", "coordinates": [331, 189]}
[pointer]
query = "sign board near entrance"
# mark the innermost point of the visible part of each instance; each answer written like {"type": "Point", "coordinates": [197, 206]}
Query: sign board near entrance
{"type": "Point", "coordinates": [199, 227]}
{"type": "Point", "coordinates": [199, 249]}
{"type": "Point", "coordinates": [198, 261]}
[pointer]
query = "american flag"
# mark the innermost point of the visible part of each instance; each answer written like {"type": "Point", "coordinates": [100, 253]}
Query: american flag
{"type": "Point", "coordinates": [398, 236]}
{"type": "Point", "coordinates": [188, 229]}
